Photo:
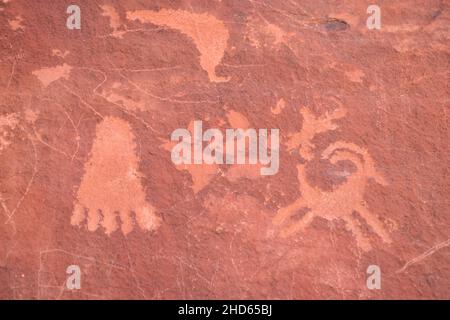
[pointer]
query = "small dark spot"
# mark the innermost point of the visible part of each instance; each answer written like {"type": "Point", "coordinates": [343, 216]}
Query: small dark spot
{"type": "Point", "coordinates": [436, 14]}
{"type": "Point", "coordinates": [332, 24]}
{"type": "Point", "coordinates": [300, 214]}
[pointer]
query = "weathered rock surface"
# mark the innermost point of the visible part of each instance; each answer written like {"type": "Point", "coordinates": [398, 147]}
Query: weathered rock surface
{"type": "Point", "coordinates": [86, 176]}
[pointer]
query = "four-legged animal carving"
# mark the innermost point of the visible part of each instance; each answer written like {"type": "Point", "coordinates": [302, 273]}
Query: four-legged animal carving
{"type": "Point", "coordinates": [341, 202]}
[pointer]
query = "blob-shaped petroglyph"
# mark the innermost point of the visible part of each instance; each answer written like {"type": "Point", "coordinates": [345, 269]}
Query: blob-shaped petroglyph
{"type": "Point", "coordinates": [262, 33]}
{"type": "Point", "coordinates": [16, 23]}
{"type": "Point", "coordinates": [208, 33]}
{"type": "Point", "coordinates": [7, 124]}
{"type": "Point", "coordinates": [52, 74]}
{"type": "Point", "coordinates": [344, 199]}
{"type": "Point", "coordinates": [111, 189]}
{"type": "Point", "coordinates": [114, 19]}
{"type": "Point", "coordinates": [123, 96]}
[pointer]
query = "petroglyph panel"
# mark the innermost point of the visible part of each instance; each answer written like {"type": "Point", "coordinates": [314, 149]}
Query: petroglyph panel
{"type": "Point", "coordinates": [351, 120]}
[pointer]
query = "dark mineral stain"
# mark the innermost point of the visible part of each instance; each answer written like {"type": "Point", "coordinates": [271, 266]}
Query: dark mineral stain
{"type": "Point", "coordinates": [332, 24]}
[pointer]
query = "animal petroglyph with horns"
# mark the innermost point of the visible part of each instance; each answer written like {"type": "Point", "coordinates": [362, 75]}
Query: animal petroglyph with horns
{"type": "Point", "coordinates": [345, 198]}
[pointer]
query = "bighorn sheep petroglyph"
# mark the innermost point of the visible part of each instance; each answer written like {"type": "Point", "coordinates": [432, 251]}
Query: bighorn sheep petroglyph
{"type": "Point", "coordinates": [345, 198]}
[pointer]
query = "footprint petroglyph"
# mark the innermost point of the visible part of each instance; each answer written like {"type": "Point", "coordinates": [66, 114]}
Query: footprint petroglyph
{"type": "Point", "coordinates": [111, 194]}
{"type": "Point", "coordinates": [344, 199]}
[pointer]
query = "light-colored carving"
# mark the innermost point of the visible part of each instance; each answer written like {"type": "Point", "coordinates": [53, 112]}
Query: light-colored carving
{"type": "Point", "coordinates": [313, 125]}
{"type": "Point", "coordinates": [49, 75]}
{"type": "Point", "coordinates": [208, 33]}
{"type": "Point", "coordinates": [7, 124]}
{"type": "Point", "coordinates": [111, 188]}
{"type": "Point", "coordinates": [345, 198]}
{"type": "Point", "coordinates": [114, 19]}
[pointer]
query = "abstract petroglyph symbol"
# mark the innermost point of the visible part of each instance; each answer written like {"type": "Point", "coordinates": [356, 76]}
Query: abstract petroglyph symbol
{"type": "Point", "coordinates": [120, 95]}
{"type": "Point", "coordinates": [111, 188]}
{"type": "Point", "coordinates": [114, 19]}
{"type": "Point", "coordinates": [201, 175]}
{"type": "Point", "coordinates": [59, 53]}
{"type": "Point", "coordinates": [281, 104]}
{"type": "Point", "coordinates": [313, 125]}
{"type": "Point", "coordinates": [345, 198]}
{"type": "Point", "coordinates": [16, 23]}
{"type": "Point", "coordinates": [261, 33]}
{"type": "Point", "coordinates": [208, 33]}
{"type": "Point", "coordinates": [7, 123]}
{"type": "Point", "coordinates": [48, 75]}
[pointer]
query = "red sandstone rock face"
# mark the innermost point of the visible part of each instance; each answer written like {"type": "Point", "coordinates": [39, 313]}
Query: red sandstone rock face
{"type": "Point", "coordinates": [86, 176]}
